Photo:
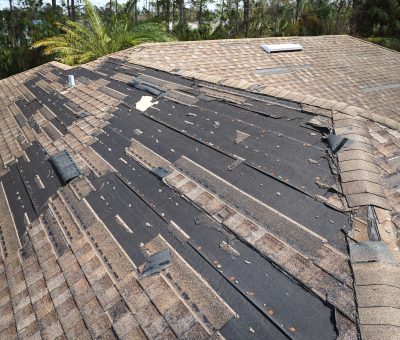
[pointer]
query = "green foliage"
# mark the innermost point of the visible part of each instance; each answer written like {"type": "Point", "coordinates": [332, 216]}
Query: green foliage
{"type": "Point", "coordinates": [376, 18]}
{"type": "Point", "coordinates": [18, 57]}
{"type": "Point", "coordinates": [392, 43]}
{"type": "Point", "coordinates": [220, 32]}
{"type": "Point", "coordinates": [82, 42]}
{"type": "Point", "coordinates": [183, 32]}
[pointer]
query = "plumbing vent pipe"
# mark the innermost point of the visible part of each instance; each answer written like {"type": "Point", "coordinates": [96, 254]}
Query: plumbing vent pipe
{"type": "Point", "coordinates": [71, 80]}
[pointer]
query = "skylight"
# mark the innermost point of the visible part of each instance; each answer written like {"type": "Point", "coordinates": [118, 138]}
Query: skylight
{"type": "Point", "coordinates": [275, 48]}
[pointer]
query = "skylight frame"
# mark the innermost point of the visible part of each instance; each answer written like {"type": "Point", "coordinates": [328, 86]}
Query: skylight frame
{"type": "Point", "coordinates": [280, 48]}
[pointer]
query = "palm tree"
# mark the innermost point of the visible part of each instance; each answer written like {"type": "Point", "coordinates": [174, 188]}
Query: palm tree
{"type": "Point", "coordinates": [81, 43]}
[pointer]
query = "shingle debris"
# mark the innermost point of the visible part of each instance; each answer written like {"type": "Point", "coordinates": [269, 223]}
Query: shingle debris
{"type": "Point", "coordinates": [76, 253]}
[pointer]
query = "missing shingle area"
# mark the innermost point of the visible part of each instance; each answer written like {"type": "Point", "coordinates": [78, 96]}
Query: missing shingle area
{"type": "Point", "coordinates": [281, 69]}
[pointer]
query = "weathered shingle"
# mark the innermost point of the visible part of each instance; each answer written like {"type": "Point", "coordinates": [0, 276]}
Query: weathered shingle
{"type": "Point", "coordinates": [225, 179]}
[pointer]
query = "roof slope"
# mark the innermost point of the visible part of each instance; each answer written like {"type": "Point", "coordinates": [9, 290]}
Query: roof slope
{"type": "Point", "coordinates": [226, 213]}
{"type": "Point", "coordinates": [239, 187]}
{"type": "Point", "coordinates": [340, 68]}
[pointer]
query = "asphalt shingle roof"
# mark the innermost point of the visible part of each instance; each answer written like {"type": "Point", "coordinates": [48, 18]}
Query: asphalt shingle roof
{"type": "Point", "coordinates": [339, 68]}
{"type": "Point", "coordinates": [239, 186]}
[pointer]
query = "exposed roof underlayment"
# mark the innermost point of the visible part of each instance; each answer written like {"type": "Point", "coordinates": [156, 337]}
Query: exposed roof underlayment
{"type": "Point", "coordinates": [265, 229]}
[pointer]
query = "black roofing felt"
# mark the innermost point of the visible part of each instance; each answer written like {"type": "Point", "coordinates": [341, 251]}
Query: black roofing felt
{"type": "Point", "coordinates": [276, 170]}
{"type": "Point", "coordinates": [23, 192]}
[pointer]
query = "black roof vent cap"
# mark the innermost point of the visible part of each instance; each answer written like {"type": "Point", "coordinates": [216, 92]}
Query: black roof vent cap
{"type": "Point", "coordinates": [336, 142]}
{"type": "Point", "coordinates": [64, 166]}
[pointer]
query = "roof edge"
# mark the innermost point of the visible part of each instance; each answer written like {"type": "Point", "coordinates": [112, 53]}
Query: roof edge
{"type": "Point", "coordinates": [190, 42]}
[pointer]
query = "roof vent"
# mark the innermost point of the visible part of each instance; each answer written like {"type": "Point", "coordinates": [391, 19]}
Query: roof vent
{"type": "Point", "coordinates": [336, 142]}
{"type": "Point", "coordinates": [275, 48]}
{"type": "Point", "coordinates": [65, 166]}
{"type": "Point", "coordinates": [138, 84]}
{"type": "Point", "coordinates": [71, 80]}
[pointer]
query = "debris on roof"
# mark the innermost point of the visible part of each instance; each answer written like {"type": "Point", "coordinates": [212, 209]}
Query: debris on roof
{"type": "Point", "coordinates": [156, 262]}
{"type": "Point", "coordinates": [235, 62]}
{"type": "Point", "coordinates": [236, 163]}
{"type": "Point", "coordinates": [320, 122]}
{"type": "Point", "coordinates": [144, 103]}
{"type": "Point", "coordinates": [240, 136]}
{"type": "Point", "coordinates": [226, 247]}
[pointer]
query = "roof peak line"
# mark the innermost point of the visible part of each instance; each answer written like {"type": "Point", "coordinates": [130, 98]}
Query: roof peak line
{"type": "Point", "coordinates": [193, 42]}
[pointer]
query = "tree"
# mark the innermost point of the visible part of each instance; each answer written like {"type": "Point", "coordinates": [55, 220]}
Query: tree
{"type": "Point", "coordinates": [12, 25]}
{"type": "Point", "coordinates": [246, 16]}
{"type": "Point", "coordinates": [376, 18]}
{"type": "Point", "coordinates": [73, 13]}
{"type": "Point", "coordinates": [181, 5]}
{"type": "Point", "coordinates": [81, 43]}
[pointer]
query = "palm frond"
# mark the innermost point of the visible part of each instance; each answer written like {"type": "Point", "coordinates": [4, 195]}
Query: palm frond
{"type": "Point", "coordinates": [83, 42]}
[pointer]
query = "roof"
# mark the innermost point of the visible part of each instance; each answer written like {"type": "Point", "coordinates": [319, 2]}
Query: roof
{"type": "Point", "coordinates": [240, 188]}
{"type": "Point", "coordinates": [338, 67]}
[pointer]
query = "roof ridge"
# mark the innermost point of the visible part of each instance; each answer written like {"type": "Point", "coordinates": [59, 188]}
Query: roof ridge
{"type": "Point", "coordinates": [373, 44]}
{"type": "Point", "coordinates": [190, 42]}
